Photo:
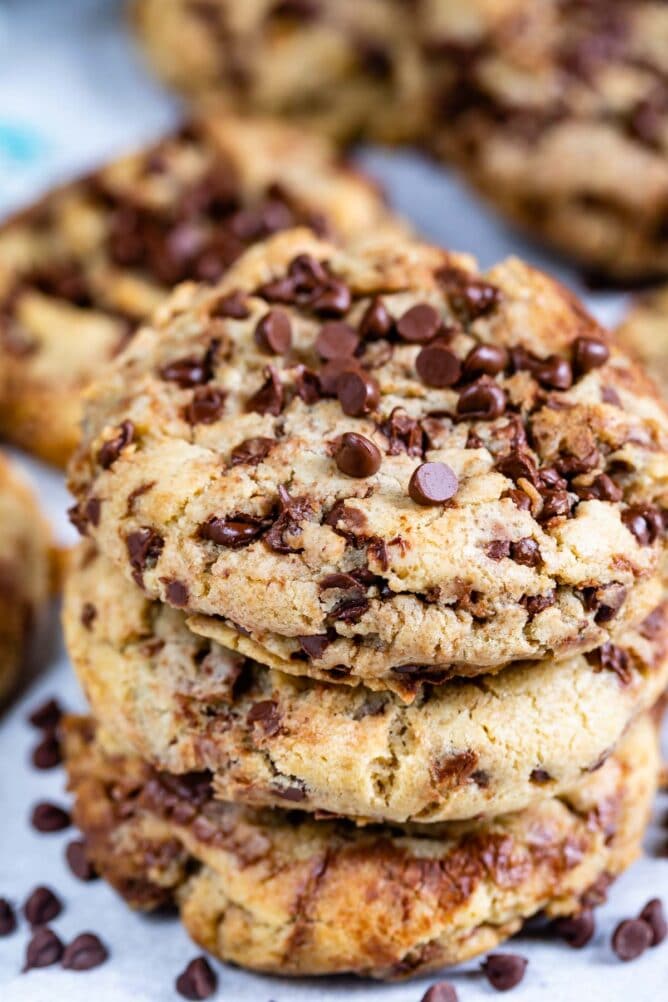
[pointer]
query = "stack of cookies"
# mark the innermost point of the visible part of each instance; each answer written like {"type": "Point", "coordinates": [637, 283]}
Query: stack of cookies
{"type": "Point", "coordinates": [369, 609]}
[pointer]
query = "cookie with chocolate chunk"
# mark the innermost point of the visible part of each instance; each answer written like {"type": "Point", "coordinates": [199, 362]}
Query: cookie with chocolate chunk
{"type": "Point", "coordinates": [460, 750]}
{"type": "Point", "coordinates": [84, 267]}
{"type": "Point", "coordinates": [485, 469]}
{"type": "Point", "coordinates": [276, 891]}
{"type": "Point", "coordinates": [644, 334]}
{"type": "Point", "coordinates": [25, 542]}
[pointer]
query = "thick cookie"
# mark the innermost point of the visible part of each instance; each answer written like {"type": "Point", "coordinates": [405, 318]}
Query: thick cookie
{"type": "Point", "coordinates": [461, 750]}
{"type": "Point", "coordinates": [391, 468]}
{"type": "Point", "coordinates": [85, 266]}
{"type": "Point", "coordinates": [644, 334]}
{"type": "Point", "coordinates": [279, 892]}
{"type": "Point", "coordinates": [24, 573]}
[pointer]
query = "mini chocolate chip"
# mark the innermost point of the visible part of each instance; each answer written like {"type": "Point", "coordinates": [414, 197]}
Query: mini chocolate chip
{"type": "Point", "coordinates": [485, 359]}
{"type": "Point", "coordinates": [655, 918]}
{"type": "Point", "coordinates": [504, 970]}
{"type": "Point", "coordinates": [176, 593]}
{"type": "Point", "coordinates": [48, 817]}
{"type": "Point", "coordinates": [273, 333]}
{"type": "Point", "coordinates": [358, 392]}
{"type": "Point", "coordinates": [233, 533]}
{"type": "Point", "coordinates": [266, 714]}
{"type": "Point", "coordinates": [7, 918]}
{"type": "Point", "coordinates": [644, 522]}
{"type": "Point", "coordinates": [206, 405]}
{"type": "Point", "coordinates": [554, 373]}
{"type": "Point", "coordinates": [433, 483]}
{"type": "Point", "coordinates": [314, 645]}
{"type": "Point", "coordinates": [47, 715]}
{"type": "Point", "coordinates": [78, 861]}
{"type": "Point", "coordinates": [518, 465]}
{"type": "Point", "coordinates": [631, 938]}
{"type": "Point", "coordinates": [332, 300]}
{"type": "Point", "coordinates": [589, 353]}
{"type": "Point", "coordinates": [251, 451]}
{"type": "Point", "coordinates": [42, 906]}
{"type": "Point", "coordinates": [482, 400]}
{"type": "Point", "coordinates": [376, 321]}
{"type": "Point", "coordinates": [197, 981]}
{"type": "Point", "coordinates": [269, 398]}
{"type": "Point", "coordinates": [437, 366]}
{"type": "Point", "coordinates": [44, 949]}
{"type": "Point", "coordinates": [526, 551]}
{"type": "Point", "coordinates": [336, 339]}
{"type": "Point", "coordinates": [144, 546]}
{"type": "Point", "coordinates": [576, 930]}
{"type": "Point", "coordinates": [47, 754]}
{"type": "Point", "coordinates": [443, 991]}
{"type": "Point", "coordinates": [111, 450]}
{"type": "Point", "coordinates": [234, 306]}
{"type": "Point", "coordinates": [419, 324]}
{"type": "Point", "coordinates": [85, 952]}
{"type": "Point", "coordinates": [88, 615]}
{"type": "Point", "coordinates": [356, 456]}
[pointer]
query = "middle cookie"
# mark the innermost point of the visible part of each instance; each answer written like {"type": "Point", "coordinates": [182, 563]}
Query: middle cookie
{"type": "Point", "coordinates": [460, 750]}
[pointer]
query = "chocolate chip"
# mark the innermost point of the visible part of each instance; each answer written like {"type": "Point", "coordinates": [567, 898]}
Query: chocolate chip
{"type": "Point", "coordinates": [197, 981]}
{"type": "Point", "coordinates": [526, 551]}
{"type": "Point", "coordinates": [498, 549]}
{"type": "Point", "coordinates": [233, 533]}
{"type": "Point", "coordinates": [470, 297]}
{"type": "Point", "coordinates": [376, 321]}
{"type": "Point", "coordinates": [292, 513]}
{"type": "Point", "coordinates": [540, 776]}
{"type": "Point", "coordinates": [438, 366]}
{"type": "Point", "coordinates": [602, 488]}
{"type": "Point", "coordinates": [519, 499]}
{"type": "Point", "coordinates": [144, 546]}
{"type": "Point", "coordinates": [234, 306]}
{"type": "Point", "coordinates": [44, 949]}
{"type": "Point", "coordinates": [176, 593]}
{"type": "Point", "coordinates": [269, 398]}
{"type": "Point", "coordinates": [485, 360]}
{"type": "Point", "coordinates": [78, 861]}
{"type": "Point", "coordinates": [42, 906]}
{"type": "Point", "coordinates": [655, 918]}
{"type": "Point", "coordinates": [589, 353]}
{"type": "Point", "coordinates": [554, 373]}
{"type": "Point", "coordinates": [419, 324]}
{"type": "Point", "coordinates": [337, 340]}
{"type": "Point", "coordinates": [206, 405]}
{"type": "Point", "coordinates": [443, 991]}
{"type": "Point", "coordinates": [187, 372]}
{"type": "Point", "coordinates": [405, 434]}
{"type": "Point", "coordinates": [47, 754]}
{"type": "Point", "coordinates": [518, 465]}
{"type": "Point", "coordinates": [333, 300]}
{"type": "Point", "coordinates": [112, 449]}
{"type": "Point", "coordinates": [433, 483]}
{"type": "Point", "coordinates": [342, 581]}
{"type": "Point", "coordinates": [356, 456]}
{"type": "Point", "coordinates": [504, 970]}
{"type": "Point", "coordinates": [350, 610]}
{"type": "Point", "coordinates": [609, 657]}
{"type": "Point", "coordinates": [47, 715]}
{"type": "Point", "coordinates": [296, 794]}
{"type": "Point", "coordinates": [48, 817]}
{"type": "Point", "coordinates": [85, 952]}
{"type": "Point", "coordinates": [266, 714]}
{"type": "Point", "coordinates": [314, 645]}
{"type": "Point", "coordinates": [576, 930]}
{"type": "Point", "coordinates": [251, 451]}
{"type": "Point", "coordinates": [358, 392]}
{"type": "Point", "coordinates": [535, 604]}
{"type": "Point", "coordinates": [482, 401]}
{"type": "Point", "coordinates": [644, 522]}
{"type": "Point", "coordinates": [7, 918]}
{"type": "Point", "coordinates": [556, 504]}
{"type": "Point", "coordinates": [273, 333]}
{"type": "Point", "coordinates": [631, 938]}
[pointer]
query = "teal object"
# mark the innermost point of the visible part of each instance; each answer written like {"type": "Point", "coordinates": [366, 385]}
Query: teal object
{"type": "Point", "coordinates": [20, 145]}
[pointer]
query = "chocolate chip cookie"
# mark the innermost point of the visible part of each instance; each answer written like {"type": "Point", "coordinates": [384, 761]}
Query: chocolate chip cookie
{"type": "Point", "coordinates": [391, 468]}
{"type": "Point", "coordinates": [276, 891]}
{"type": "Point", "coordinates": [644, 334]}
{"type": "Point", "coordinates": [81, 269]}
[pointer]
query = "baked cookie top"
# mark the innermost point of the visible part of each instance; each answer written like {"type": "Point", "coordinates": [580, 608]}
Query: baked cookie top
{"type": "Point", "coordinates": [460, 750]}
{"type": "Point", "coordinates": [81, 269]}
{"type": "Point", "coordinates": [389, 468]}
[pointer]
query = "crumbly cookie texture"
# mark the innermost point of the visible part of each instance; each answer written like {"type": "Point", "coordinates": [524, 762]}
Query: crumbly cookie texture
{"type": "Point", "coordinates": [644, 334]}
{"type": "Point", "coordinates": [280, 892]}
{"type": "Point", "coordinates": [25, 542]}
{"type": "Point", "coordinates": [391, 468]}
{"type": "Point", "coordinates": [81, 269]}
{"type": "Point", "coordinates": [461, 750]}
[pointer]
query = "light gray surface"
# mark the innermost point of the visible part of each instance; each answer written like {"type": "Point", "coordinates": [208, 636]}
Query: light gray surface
{"type": "Point", "coordinates": [71, 92]}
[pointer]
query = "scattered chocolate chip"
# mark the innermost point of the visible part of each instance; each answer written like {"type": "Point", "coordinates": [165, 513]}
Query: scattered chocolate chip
{"type": "Point", "coordinates": [47, 715]}
{"type": "Point", "coordinates": [88, 615]}
{"type": "Point", "coordinates": [356, 456]}
{"type": "Point", "coordinates": [644, 522]}
{"type": "Point", "coordinates": [44, 949]}
{"type": "Point", "coordinates": [433, 483]}
{"type": "Point", "coordinates": [47, 754]}
{"type": "Point", "coordinates": [358, 392]}
{"type": "Point", "coordinates": [206, 406]}
{"type": "Point", "coordinates": [609, 657]}
{"type": "Point", "coordinates": [251, 451]}
{"type": "Point", "coordinates": [233, 533]}
{"type": "Point", "coordinates": [376, 321]}
{"type": "Point", "coordinates": [273, 333]}
{"type": "Point", "coordinates": [111, 450]}
{"type": "Point", "coordinates": [78, 861]}
{"type": "Point", "coordinates": [526, 551]}
{"type": "Point", "coordinates": [504, 970]}
{"type": "Point", "coordinates": [42, 906]}
{"type": "Point", "coordinates": [554, 373]}
{"type": "Point", "coordinates": [655, 918]}
{"type": "Point", "coordinates": [269, 398]}
{"type": "Point", "coordinates": [443, 991]}
{"type": "Point", "coordinates": [470, 297]}
{"type": "Point", "coordinates": [336, 340]}
{"type": "Point", "coordinates": [332, 300]}
{"type": "Point", "coordinates": [187, 372]}
{"type": "Point", "coordinates": [7, 918]}
{"type": "Point", "coordinates": [144, 546]}
{"type": "Point", "coordinates": [419, 324]}
{"type": "Point", "coordinates": [576, 930]}
{"type": "Point", "coordinates": [85, 952]}
{"type": "Point", "coordinates": [589, 353]}
{"type": "Point", "coordinates": [437, 366]}
{"type": "Point", "coordinates": [197, 981]}
{"type": "Point", "coordinates": [631, 938]}
{"type": "Point", "coordinates": [176, 593]}
{"type": "Point", "coordinates": [482, 401]}
{"type": "Point", "coordinates": [485, 360]}
{"type": "Point", "coordinates": [314, 645]}
{"type": "Point", "coordinates": [48, 817]}
{"type": "Point", "coordinates": [266, 714]}
{"type": "Point", "coordinates": [234, 306]}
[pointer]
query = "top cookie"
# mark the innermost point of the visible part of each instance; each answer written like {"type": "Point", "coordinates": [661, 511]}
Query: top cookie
{"type": "Point", "coordinates": [82, 268]}
{"type": "Point", "coordinates": [389, 468]}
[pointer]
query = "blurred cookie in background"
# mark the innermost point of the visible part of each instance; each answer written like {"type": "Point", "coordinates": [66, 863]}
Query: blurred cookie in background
{"type": "Point", "coordinates": [644, 333]}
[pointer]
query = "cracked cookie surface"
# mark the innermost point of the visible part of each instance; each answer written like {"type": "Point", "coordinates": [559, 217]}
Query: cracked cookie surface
{"type": "Point", "coordinates": [392, 468]}
{"type": "Point", "coordinates": [460, 750]}
{"type": "Point", "coordinates": [279, 892]}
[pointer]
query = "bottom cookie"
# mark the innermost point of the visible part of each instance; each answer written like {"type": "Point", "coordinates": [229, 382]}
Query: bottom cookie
{"type": "Point", "coordinates": [280, 892]}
